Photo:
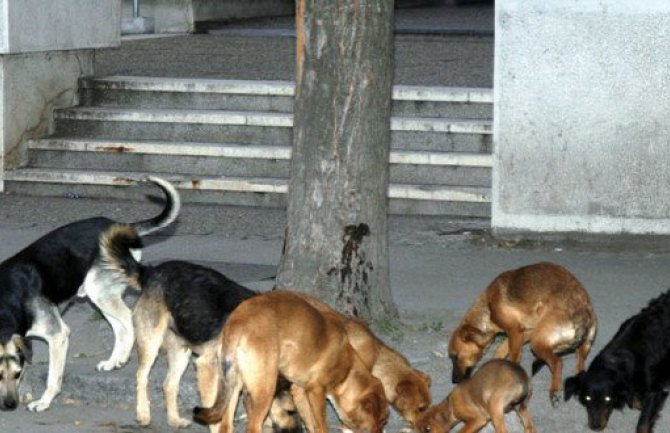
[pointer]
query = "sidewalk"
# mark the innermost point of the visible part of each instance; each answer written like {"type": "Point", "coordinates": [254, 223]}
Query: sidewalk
{"type": "Point", "coordinates": [437, 269]}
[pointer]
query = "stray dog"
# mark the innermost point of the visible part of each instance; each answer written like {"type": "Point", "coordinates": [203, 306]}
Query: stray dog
{"type": "Point", "coordinates": [497, 387]}
{"type": "Point", "coordinates": [280, 333]}
{"type": "Point", "coordinates": [633, 369]}
{"type": "Point", "coordinates": [181, 310]}
{"type": "Point", "coordinates": [52, 270]}
{"type": "Point", "coordinates": [406, 389]}
{"type": "Point", "coordinates": [543, 304]}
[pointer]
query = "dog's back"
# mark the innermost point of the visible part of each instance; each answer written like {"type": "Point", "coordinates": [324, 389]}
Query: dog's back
{"type": "Point", "coordinates": [198, 298]}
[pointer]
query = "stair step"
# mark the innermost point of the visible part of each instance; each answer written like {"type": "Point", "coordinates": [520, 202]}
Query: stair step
{"type": "Point", "coordinates": [465, 159]}
{"type": "Point", "coordinates": [275, 88]}
{"type": "Point", "coordinates": [222, 183]}
{"type": "Point", "coordinates": [270, 128]}
{"type": "Point", "coordinates": [211, 159]}
{"type": "Point", "coordinates": [158, 92]}
{"type": "Point", "coordinates": [251, 118]}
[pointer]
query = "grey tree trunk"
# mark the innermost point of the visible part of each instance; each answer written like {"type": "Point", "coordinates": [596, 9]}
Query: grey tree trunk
{"type": "Point", "coordinates": [336, 244]}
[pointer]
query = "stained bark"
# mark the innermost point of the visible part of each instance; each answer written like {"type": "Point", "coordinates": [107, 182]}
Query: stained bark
{"type": "Point", "coordinates": [336, 244]}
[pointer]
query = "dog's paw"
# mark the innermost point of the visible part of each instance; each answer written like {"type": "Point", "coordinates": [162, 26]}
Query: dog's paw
{"type": "Point", "coordinates": [179, 422]}
{"type": "Point", "coordinates": [38, 405]}
{"type": "Point", "coordinates": [143, 419]}
{"type": "Point", "coordinates": [109, 365]}
{"type": "Point", "coordinates": [554, 399]}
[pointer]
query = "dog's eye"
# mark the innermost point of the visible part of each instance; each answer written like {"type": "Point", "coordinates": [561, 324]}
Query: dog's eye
{"type": "Point", "coordinates": [17, 375]}
{"type": "Point", "coordinates": [427, 429]}
{"type": "Point", "coordinates": [587, 398]}
{"type": "Point", "coordinates": [422, 409]}
{"type": "Point", "coordinates": [608, 398]}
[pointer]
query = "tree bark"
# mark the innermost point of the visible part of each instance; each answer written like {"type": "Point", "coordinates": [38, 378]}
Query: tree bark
{"type": "Point", "coordinates": [336, 244]}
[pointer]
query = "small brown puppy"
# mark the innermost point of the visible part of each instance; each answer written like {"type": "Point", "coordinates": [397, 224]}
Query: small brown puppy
{"type": "Point", "coordinates": [406, 389]}
{"type": "Point", "coordinates": [541, 304]}
{"type": "Point", "coordinates": [280, 333]}
{"type": "Point", "coordinates": [496, 388]}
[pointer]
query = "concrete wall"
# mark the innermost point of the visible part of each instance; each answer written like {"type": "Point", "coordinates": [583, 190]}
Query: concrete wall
{"type": "Point", "coordinates": [45, 47]}
{"type": "Point", "coordinates": [180, 16]}
{"type": "Point", "coordinates": [39, 25]}
{"type": "Point", "coordinates": [582, 116]}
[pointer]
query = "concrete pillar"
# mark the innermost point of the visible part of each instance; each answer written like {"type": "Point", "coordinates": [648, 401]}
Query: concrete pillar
{"type": "Point", "coordinates": [45, 47]}
{"type": "Point", "coordinates": [581, 117]}
{"type": "Point", "coordinates": [181, 16]}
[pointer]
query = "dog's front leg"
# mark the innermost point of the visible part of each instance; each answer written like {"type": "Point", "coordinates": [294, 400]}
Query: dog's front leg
{"type": "Point", "coordinates": [651, 406]}
{"type": "Point", "coordinates": [50, 327]}
{"type": "Point", "coordinates": [304, 408]}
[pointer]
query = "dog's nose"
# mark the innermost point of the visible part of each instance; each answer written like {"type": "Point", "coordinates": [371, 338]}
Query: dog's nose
{"type": "Point", "coordinates": [10, 404]}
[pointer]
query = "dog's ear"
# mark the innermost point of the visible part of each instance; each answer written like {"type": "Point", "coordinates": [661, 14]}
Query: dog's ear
{"type": "Point", "coordinates": [373, 404]}
{"type": "Point", "coordinates": [470, 334]}
{"type": "Point", "coordinates": [24, 348]}
{"type": "Point", "coordinates": [404, 389]}
{"type": "Point", "coordinates": [572, 385]}
{"type": "Point", "coordinates": [424, 377]}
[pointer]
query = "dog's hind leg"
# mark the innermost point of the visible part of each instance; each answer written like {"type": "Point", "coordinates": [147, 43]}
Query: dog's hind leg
{"type": "Point", "coordinates": [261, 386]}
{"type": "Point", "coordinates": [177, 357]}
{"type": "Point", "coordinates": [523, 412]}
{"type": "Point", "coordinates": [106, 292]}
{"type": "Point", "coordinates": [584, 349]}
{"type": "Point", "coordinates": [151, 328]}
{"type": "Point", "coordinates": [49, 325]}
{"type": "Point", "coordinates": [544, 350]}
{"type": "Point", "coordinates": [207, 368]}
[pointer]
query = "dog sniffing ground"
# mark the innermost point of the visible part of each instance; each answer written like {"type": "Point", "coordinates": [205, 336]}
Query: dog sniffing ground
{"type": "Point", "coordinates": [438, 267]}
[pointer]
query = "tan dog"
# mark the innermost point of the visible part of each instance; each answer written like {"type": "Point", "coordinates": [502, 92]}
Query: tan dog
{"type": "Point", "coordinates": [406, 389]}
{"type": "Point", "coordinates": [541, 304]}
{"type": "Point", "coordinates": [497, 387]}
{"type": "Point", "coordinates": [279, 333]}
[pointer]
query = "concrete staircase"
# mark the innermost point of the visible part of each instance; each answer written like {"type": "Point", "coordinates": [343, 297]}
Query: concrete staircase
{"type": "Point", "coordinates": [228, 142]}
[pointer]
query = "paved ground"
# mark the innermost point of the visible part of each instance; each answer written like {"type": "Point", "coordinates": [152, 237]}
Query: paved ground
{"type": "Point", "coordinates": [435, 46]}
{"type": "Point", "coordinates": [438, 265]}
{"type": "Point", "coordinates": [437, 268]}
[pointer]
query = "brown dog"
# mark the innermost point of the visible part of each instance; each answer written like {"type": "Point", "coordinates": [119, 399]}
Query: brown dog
{"type": "Point", "coordinates": [541, 304]}
{"type": "Point", "coordinates": [279, 333]}
{"type": "Point", "coordinates": [497, 387]}
{"type": "Point", "coordinates": [406, 389]}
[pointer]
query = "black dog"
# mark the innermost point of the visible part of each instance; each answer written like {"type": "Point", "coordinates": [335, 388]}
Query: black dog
{"type": "Point", "coordinates": [633, 369]}
{"type": "Point", "coordinates": [52, 270]}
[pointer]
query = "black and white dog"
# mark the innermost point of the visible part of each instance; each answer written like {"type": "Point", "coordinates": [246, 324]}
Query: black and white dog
{"type": "Point", "coordinates": [53, 269]}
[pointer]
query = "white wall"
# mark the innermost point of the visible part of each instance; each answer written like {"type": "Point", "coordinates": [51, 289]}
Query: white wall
{"type": "Point", "coordinates": [582, 116]}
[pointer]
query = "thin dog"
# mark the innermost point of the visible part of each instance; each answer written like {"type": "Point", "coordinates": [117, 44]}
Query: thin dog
{"type": "Point", "coordinates": [497, 387]}
{"type": "Point", "coordinates": [631, 370]}
{"type": "Point", "coordinates": [541, 304]}
{"type": "Point", "coordinates": [181, 310]}
{"type": "Point", "coordinates": [280, 333]}
{"type": "Point", "coordinates": [53, 269]}
{"type": "Point", "coordinates": [407, 389]}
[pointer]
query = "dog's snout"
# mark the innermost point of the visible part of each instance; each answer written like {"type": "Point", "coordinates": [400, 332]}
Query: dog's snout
{"type": "Point", "coordinates": [9, 404]}
{"type": "Point", "coordinates": [458, 376]}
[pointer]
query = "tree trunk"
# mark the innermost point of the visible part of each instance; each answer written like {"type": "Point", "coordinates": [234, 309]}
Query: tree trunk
{"type": "Point", "coordinates": [336, 244]}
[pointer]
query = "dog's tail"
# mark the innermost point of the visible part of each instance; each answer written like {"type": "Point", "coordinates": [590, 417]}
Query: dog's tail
{"type": "Point", "coordinates": [169, 213]}
{"type": "Point", "coordinates": [229, 387]}
{"type": "Point", "coordinates": [116, 252]}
